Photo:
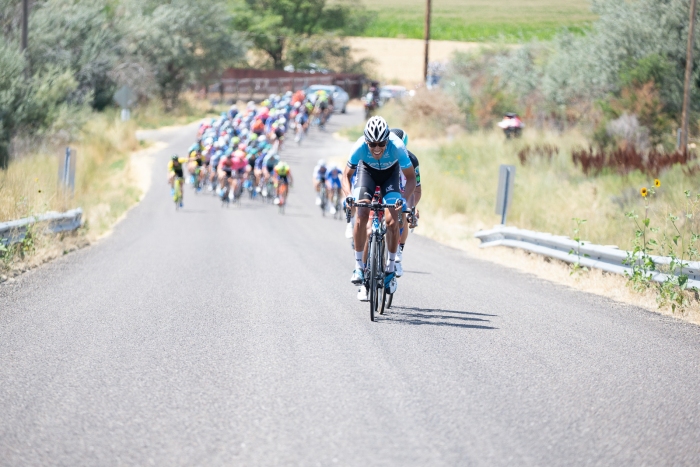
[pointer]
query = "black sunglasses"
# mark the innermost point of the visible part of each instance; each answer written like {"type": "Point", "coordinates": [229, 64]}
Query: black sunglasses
{"type": "Point", "coordinates": [381, 144]}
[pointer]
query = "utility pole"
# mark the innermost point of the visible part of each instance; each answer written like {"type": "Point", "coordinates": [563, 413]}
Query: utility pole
{"type": "Point", "coordinates": [688, 75]}
{"type": "Point", "coordinates": [427, 40]}
{"type": "Point", "coordinates": [25, 24]}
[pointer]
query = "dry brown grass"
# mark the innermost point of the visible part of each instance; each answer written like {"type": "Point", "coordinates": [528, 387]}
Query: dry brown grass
{"type": "Point", "coordinates": [400, 61]}
{"type": "Point", "coordinates": [30, 185]}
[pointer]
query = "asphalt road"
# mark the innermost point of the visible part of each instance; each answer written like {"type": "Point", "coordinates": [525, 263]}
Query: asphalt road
{"type": "Point", "coordinates": [233, 337]}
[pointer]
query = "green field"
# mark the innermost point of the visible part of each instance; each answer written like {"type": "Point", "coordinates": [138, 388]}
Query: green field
{"type": "Point", "coordinates": [478, 20]}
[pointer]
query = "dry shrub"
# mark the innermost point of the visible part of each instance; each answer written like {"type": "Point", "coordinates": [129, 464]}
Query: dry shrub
{"type": "Point", "coordinates": [430, 113]}
{"type": "Point", "coordinates": [622, 161]}
{"type": "Point", "coordinates": [544, 151]}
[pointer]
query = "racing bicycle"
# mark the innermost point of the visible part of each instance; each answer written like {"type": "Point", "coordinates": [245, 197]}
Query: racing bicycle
{"type": "Point", "coordinates": [376, 260]}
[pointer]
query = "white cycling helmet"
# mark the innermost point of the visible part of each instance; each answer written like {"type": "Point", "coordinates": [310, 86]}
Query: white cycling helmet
{"type": "Point", "coordinates": [321, 163]}
{"type": "Point", "coordinates": [376, 130]}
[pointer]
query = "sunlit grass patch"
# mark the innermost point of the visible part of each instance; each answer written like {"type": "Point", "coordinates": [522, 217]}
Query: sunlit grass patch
{"type": "Point", "coordinates": [478, 20]}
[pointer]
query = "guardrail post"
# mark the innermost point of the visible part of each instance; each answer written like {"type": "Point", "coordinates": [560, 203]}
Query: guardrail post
{"type": "Point", "coordinates": [66, 171]}
{"type": "Point", "coordinates": [506, 178]}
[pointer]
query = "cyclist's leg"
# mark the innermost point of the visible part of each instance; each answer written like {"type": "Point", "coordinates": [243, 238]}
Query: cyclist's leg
{"type": "Point", "coordinates": [363, 193]}
{"type": "Point", "coordinates": [191, 166]}
{"type": "Point", "coordinates": [390, 194]}
{"type": "Point", "coordinates": [258, 174]}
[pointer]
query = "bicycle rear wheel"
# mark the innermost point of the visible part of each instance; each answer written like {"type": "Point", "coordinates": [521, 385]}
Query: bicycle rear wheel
{"type": "Point", "coordinates": [382, 268]}
{"type": "Point", "coordinates": [324, 199]}
{"type": "Point", "coordinates": [178, 193]}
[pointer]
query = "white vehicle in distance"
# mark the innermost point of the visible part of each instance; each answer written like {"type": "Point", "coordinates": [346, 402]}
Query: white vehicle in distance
{"type": "Point", "coordinates": [389, 92]}
{"type": "Point", "coordinates": [340, 97]}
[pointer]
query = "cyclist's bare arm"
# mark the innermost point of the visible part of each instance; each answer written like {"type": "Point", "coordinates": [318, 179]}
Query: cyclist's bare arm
{"type": "Point", "coordinates": [346, 181]}
{"type": "Point", "coordinates": [416, 196]}
{"type": "Point", "coordinates": [410, 186]}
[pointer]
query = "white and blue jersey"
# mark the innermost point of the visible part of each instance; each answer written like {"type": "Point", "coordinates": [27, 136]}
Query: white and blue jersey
{"type": "Point", "coordinates": [333, 177]}
{"type": "Point", "coordinates": [395, 152]}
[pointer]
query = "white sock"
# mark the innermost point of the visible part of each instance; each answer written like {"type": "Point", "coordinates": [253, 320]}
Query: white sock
{"type": "Point", "coordinates": [358, 260]}
{"type": "Point", "coordinates": [391, 267]}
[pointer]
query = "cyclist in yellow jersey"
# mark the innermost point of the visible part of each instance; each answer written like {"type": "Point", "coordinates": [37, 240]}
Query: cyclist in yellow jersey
{"type": "Point", "coordinates": [283, 176]}
{"type": "Point", "coordinates": [175, 169]}
{"type": "Point", "coordinates": [195, 165]}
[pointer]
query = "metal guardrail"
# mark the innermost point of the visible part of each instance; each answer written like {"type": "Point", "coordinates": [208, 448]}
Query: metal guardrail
{"type": "Point", "coordinates": [606, 257]}
{"type": "Point", "coordinates": [14, 231]}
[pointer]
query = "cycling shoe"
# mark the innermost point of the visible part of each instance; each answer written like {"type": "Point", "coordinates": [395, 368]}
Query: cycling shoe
{"type": "Point", "coordinates": [390, 284]}
{"type": "Point", "coordinates": [358, 277]}
{"type": "Point", "coordinates": [362, 294]}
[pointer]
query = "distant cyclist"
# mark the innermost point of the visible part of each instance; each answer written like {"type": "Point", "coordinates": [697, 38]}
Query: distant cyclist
{"type": "Point", "coordinates": [333, 184]}
{"type": "Point", "coordinates": [319, 179]}
{"type": "Point", "coordinates": [283, 176]}
{"type": "Point", "coordinates": [175, 170]}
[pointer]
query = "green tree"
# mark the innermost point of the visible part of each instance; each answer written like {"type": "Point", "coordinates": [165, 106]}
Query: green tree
{"type": "Point", "coordinates": [183, 40]}
{"type": "Point", "coordinates": [32, 104]}
{"type": "Point", "coordinates": [81, 36]}
{"type": "Point", "coordinates": [276, 26]}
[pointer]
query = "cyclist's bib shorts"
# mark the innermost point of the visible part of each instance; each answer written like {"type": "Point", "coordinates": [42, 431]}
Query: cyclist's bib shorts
{"type": "Point", "coordinates": [387, 179]}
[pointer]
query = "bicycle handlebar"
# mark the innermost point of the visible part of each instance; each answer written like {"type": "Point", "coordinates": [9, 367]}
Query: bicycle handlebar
{"type": "Point", "coordinates": [376, 206]}
{"type": "Point", "coordinates": [372, 206]}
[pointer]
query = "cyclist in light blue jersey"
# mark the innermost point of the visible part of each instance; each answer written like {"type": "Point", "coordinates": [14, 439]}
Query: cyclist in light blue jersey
{"type": "Point", "coordinates": [378, 157]}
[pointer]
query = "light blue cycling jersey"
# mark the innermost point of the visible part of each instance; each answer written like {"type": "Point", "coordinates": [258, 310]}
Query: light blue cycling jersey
{"type": "Point", "coordinates": [271, 157]}
{"type": "Point", "coordinates": [394, 151]}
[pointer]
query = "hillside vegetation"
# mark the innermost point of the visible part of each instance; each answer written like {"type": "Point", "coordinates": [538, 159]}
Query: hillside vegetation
{"type": "Point", "coordinates": [598, 159]}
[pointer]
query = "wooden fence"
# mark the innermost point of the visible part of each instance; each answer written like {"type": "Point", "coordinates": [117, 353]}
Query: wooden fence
{"type": "Point", "coordinates": [252, 88]}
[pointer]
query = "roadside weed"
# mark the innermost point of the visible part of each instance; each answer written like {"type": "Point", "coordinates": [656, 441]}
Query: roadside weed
{"type": "Point", "coordinates": [576, 267]}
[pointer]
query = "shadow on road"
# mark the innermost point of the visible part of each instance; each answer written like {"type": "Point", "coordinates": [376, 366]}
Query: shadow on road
{"type": "Point", "coordinates": [296, 215]}
{"type": "Point", "coordinates": [437, 317]}
{"type": "Point", "coordinates": [418, 272]}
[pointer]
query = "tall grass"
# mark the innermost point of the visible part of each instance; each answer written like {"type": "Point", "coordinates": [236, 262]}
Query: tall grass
{"type": "Point", "coordinates": [459, 173]}
{"type": "Point", "coordinates": [461, 177]}
{"type": "Point", "coordinates": [153, 115]}
{"type": "Point", "coordinates": [102, 185]}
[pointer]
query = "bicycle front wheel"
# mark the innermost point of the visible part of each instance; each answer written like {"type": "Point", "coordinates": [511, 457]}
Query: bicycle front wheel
{"type": "Point", "coordinates": [373, 278]}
